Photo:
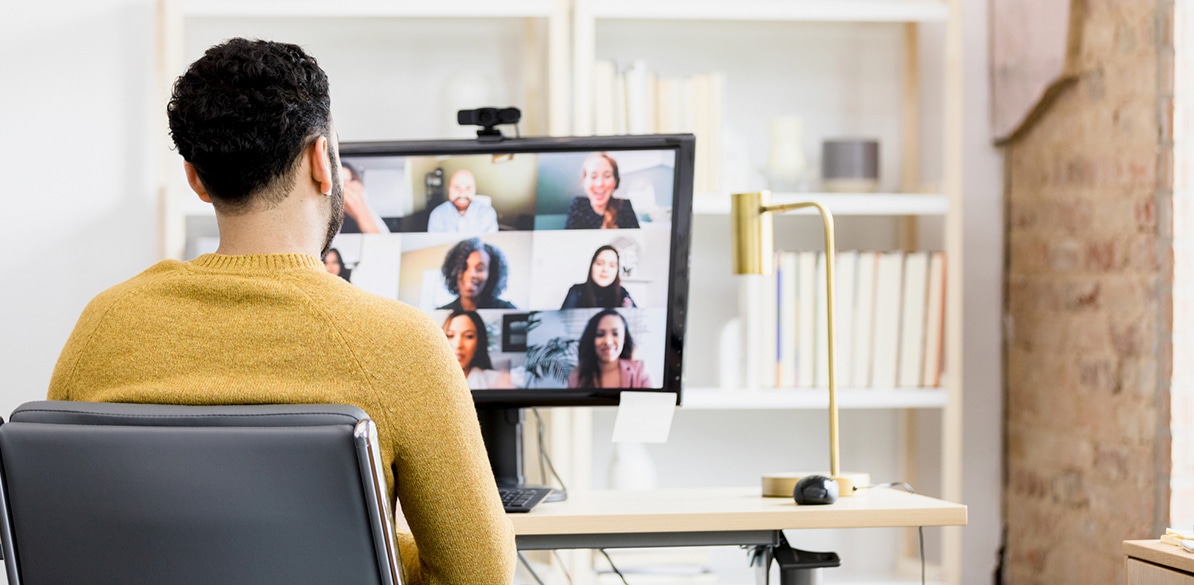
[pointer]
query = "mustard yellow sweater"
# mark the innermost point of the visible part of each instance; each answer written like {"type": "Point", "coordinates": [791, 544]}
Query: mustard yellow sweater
{"type": "Point", "coordinates": [278, 329]}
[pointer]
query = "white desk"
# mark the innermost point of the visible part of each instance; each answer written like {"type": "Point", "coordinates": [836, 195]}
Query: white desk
{"type": "Point", "coordinates": [713, 516]}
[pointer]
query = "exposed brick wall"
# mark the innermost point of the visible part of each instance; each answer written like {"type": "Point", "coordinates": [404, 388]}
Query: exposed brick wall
{"type": "Point", "coordinates": [1090, 284]}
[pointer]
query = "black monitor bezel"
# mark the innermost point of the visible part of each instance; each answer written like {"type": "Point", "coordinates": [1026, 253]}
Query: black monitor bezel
{"type": "Point", "coordinates": [684, 146]}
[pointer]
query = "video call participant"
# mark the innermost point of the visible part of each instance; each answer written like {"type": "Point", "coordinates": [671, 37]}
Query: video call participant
{"type": "Point", "coordinates": [476, 273]}
{"type": "Point", "coordinates": [605, 355]}
{"type": "Point", "coordinates": [359, 218]}
{"type": "Point", "coordinates": [252, 323]}
{"type": "Point", "coordinates": [599, 209]}
{"type": "Point", "coordinates": [334, 264]}
{"type": "Point", "coordinates": [603, 287]}
{"type": "Point", "coordinates": [470, 341]}
{"type": "Point", "coordinates": [464, 211]}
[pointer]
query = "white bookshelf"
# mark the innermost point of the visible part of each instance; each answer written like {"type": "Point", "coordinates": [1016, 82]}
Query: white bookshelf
{"type": "Point", "coordinates": [773, 55]}
{"type": "Point", "coordinates": [365, 9]}
{"type": "Point", "coordinates": [898, 204]}
{"type": "Point", "coordinates": [812, 398]}
{"type": "Point", "coordinates": [776, 10]}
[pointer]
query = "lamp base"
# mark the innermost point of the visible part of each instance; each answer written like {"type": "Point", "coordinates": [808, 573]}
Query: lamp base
{"type": "Point", "coordinates": [781, 485]}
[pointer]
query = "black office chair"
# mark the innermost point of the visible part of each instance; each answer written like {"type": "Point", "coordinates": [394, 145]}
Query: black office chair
{"type": "Point", "coordinates": [134, 493]}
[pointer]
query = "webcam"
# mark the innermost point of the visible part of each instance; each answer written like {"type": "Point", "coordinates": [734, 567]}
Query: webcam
{"type": "Point", "coordinates": [487, 118]}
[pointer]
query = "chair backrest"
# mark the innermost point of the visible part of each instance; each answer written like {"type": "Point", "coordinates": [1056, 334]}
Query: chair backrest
{"type": "Point", "coordinates": [137, 493]}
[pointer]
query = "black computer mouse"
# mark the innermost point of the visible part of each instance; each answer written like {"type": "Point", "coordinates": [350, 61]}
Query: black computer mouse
{"type": "Point", "coordinates": [815, 490]}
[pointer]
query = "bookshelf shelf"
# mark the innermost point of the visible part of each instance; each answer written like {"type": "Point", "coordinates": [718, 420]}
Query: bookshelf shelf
{"type": "Point", "coordinates": [812, 398]}
{"type": "Point", "coordinates": [776, 10]}
{"type": "Point", "coordinates": [454, 9]}
{"type": "Point", "coordinates": [839, 203]}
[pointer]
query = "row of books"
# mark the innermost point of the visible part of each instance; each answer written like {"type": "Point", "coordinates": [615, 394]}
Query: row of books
{"type": "Point", "coordinates": [636, 100]}
{"type": "Point", "coordinates": [889, 314]}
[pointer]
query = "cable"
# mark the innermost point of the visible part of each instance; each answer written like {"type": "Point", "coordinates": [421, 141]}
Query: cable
{"type": "Point", "coordinates": [613, 566]}
{"type": "Point", "coordinates": [563, 567]}
{"type": "Point", "coordinates": [527, 564]}
{"type": "Point", "coordinates": [902, 485]}
{"type": "Point", "coordinates": [920, 530]}
{"type": "Point", "coordinates": [543, 456]}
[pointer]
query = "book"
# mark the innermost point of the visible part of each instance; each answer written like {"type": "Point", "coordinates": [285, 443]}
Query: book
{"type": "Point", "coordinates": [639, 119]}
{"type": "Point", "coordinates": [912, 319]}
{"type": "Point", "coordinates": [806, 308]}
{"type": "Point", "coordinates": [787, 273]}
{"type": "Point", "coordinates": [756, 298]}
{"type": "Point", "coordinates": [845, 271]}
{"type": "Point", "coordinates": [619, 100]}
{"type": "Point", "coordinates": [821, 329]}
{"type": "Point", "coordinates": [604, 72]}
{"type": "Point", "coordinates": [699, 113]}
{"type": "Point", "coordinates": [864, 314]}
{"type": "Point", "coordinates": [935, 322]}
{"type": "Point", "coordinates": [885, 352]}
{"type": "Point", "coordinates": [716, 130]}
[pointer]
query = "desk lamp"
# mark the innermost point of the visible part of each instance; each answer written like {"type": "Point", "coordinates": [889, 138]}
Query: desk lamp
{"type": "Point", "coordinates": [754, 251]}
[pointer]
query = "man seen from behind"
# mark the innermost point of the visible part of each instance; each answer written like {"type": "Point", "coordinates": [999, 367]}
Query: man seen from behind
{"type": "Point", "coordinates": [261, 321]}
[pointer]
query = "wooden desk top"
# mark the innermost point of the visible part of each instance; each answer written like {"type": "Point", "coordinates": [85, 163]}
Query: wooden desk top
{"type": "Point", "coordinates": [1157, 552]}
{"type": "Point", "coordinates": [728, 509]}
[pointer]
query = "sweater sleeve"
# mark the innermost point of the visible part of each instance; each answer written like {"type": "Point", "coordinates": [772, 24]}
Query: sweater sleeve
{"type": "Point", "coordinates": [459, 530]}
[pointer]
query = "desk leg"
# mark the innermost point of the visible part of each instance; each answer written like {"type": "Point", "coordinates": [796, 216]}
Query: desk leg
{"type": "Point", "coordinates": [796, 567]}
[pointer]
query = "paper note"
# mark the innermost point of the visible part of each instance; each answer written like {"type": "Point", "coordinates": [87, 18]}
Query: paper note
{"type": "Point", "coordinates": [644, 417]}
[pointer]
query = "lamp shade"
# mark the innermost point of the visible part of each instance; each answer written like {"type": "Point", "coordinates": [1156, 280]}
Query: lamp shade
{"type": "Point", "coordinates": [753, 235]}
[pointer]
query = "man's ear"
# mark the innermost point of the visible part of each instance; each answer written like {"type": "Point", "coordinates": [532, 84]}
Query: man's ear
{"type": "Point", "coordinates": [195, 183]}
{"type": "Point", "coordinates": [321, 164]}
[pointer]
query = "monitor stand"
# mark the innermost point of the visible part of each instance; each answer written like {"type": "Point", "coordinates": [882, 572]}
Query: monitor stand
{"type": "Point", "coordinates": [501, 429]}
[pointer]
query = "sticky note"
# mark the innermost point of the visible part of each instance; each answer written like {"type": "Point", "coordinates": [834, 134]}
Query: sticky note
{"type": "Point", "coordinates": [644, 417]}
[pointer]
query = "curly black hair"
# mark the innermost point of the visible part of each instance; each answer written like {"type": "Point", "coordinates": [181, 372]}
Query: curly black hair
{"type": "Point", "coordinates": [242, 114]}
{"type": "Point", "coordinates": [457, 260]}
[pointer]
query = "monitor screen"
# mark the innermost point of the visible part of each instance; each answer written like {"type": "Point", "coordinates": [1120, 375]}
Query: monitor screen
{"type": "Point", "coordinates": [557, 267]}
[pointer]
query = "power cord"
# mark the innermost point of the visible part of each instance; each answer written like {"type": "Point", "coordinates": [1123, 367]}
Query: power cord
{"type": "Point", "coordinates": [531, 569]}
{"type": "Point", "coordinates": [545, 460]}
{"type": "Point", "coordinates": [563, 567]}
{"type": "Point", "coordinates": [920, 530]}
{"type": "Point", "coordinates": [613, 566]}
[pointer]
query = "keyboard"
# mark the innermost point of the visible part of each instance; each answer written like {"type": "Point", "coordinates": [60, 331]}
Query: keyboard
{"type": "Point", "coordinates": [522, 499]}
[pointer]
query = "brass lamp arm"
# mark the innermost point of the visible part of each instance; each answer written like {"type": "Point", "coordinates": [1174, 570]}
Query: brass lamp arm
{"type": "Point", "coordinates": [754, 244]}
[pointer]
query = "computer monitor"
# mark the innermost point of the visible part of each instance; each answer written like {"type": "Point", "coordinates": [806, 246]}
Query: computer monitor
{"type": "Point", "coordinates": [558, 267]}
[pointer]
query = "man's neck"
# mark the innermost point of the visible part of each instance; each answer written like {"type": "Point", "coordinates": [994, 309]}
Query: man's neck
{"type": "Point", "coordinates": [291, 227]}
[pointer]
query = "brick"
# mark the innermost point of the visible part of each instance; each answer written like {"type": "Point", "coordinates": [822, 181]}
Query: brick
{"type": "Point", "coordinates": [1131, 337]}
{"type": "Point", "coordinates": [1066, 255]}
{"type": "Point", "coordinates": [1138, 376]}
{"type": "Point", "coordinates": [1143, 255]}
{"type": "Point", "coordinates": [1099, 374]}
{"type": "Point", "coordinates": [1081, 294]}
{"type": "Point", "coordinates": [1145, 212]}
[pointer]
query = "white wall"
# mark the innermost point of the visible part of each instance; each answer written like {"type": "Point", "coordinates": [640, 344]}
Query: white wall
{"type": "Point", "coordinates": [79, 161]}
{"type": "Point", "coordinates": [983, 249]}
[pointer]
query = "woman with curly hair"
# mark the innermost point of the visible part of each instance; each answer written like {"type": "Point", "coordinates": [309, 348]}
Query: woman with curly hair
{"type": "Point", "coordinates": [476, 273]}
{"type": "Point", "coordinates": [605, 355]}
{"type": "Point", "coordinates": [603, 287]}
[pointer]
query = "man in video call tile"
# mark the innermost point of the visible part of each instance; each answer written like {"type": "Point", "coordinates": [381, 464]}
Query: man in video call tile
{"type": "Point", "coordinates": [464, 211]}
